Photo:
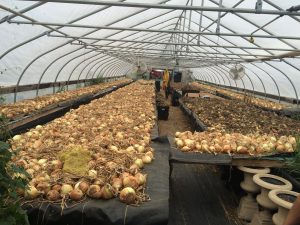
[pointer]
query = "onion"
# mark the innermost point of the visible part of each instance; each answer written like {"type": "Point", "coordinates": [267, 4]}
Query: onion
{"type": "Point", "coordinates": [130, 149]}
{"type": "Point", "coordinates": [56, 187]}
{"type": "Point", "coordinates": [30, 171]}
{"type": "Point", "coordinates": [99, 181]}
{"type": "Point", "coordinates": [141, 179]}
{"type": "Point", "coordinates": [117, 183]}
{"type": "Point", "coordinates": [43, 187]}
{"type": "Point", "coordinates": [141, 149]}
{"type": "Point", "coordinates": [92, 174]}
{"type": "Point", "coordinates": [42, 161]}
{"type": "Point", "coordinates": [17, 137]}
{"type": "Point", "coordinates": [53, 195]}
{"type": "Point", "coordinates": [113, 148]}
{"type": "Point", "coordinates": [82, 185]}
{"type": "Point", "coordinates": [133, 169]}
{"type": "Point", "coordinates": [94, 191]}
{"type": "Point", "coordinates": [57, 164]}
{"type": "Point", "coordinates": [31, 192]}
{"type": "Point", "coordinates": [150, 154]}
{"type": "Point", "coordinates": [130, 181]}
{"type": "Point", "coordinates": [38, 127]}
{"type": "Point", "coordinates": [179, 142]}
{"type": "Point", "coordinates": [66, 189]}
{"type": "Point", "coordinates": [185, 149]}
{"type": "Point", "coordinates": [177, 134]}
{"type": "Point", "coordinates": [139, 163]}
{"type": "Point", "coordinates": [146, 159]}
{"type": "Point", "coordinates": [107, 192]}
{"type": "Point", "coordinates": [76, 194]}
{"type": "Point", "coordinates": [127, 195]}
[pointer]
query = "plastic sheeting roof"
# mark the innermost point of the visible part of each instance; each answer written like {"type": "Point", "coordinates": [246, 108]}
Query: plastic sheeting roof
{"type": "Point", "coordinates": [63, 40]}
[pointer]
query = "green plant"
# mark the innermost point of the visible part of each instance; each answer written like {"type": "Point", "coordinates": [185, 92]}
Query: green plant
{"type": "Point", "coordinates": [97, 80]}
{"type": "Point", "coordinates": [293, 166]}
{"type": "Point", "coordinates": [11, 212]}
{"type": "Point", "coordinates": [2, 99]}
{"type": "Point", "coordinates": [4, 130]}
{"type": "Point", "coordinates": [61, 89]}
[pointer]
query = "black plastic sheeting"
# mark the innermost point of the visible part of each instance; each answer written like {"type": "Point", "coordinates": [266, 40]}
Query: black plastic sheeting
{"type": "Point", "coordinates": [113, 212]}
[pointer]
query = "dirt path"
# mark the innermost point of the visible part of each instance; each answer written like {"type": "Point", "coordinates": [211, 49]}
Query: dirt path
{"type": "Point", "coordinates": [177, 122]}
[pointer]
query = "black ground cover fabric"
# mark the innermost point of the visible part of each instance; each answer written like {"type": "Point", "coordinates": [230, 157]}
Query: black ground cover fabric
{"type": "Point", "coordinates": [101, 212]}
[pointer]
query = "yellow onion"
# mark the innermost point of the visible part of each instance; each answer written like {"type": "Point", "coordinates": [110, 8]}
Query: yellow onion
{"type": "Point", "coordinates": [31, 192]}
{"type": "Point", "coordinates": [17, 137]}
{"type": "Point", "coordinates": [94, 191]}
{"type": "Point", "coordinates": [43, 187]}
{"type": "Point", "coordinates": [133, 169]}
{"type": "Point", "coordinates": [66, 189]}
{"type": "Point", "coordinates": [141, 179]}
{"type": "Point", "coordinates": [117, 183]}
{"type": "Point", "coordinates": [139, 163]}
{"type": "Point", "coordinates": [128, 195]}
{"type": "Point", "coordinates": [56, 187]}
{"type": "Point", "coordinates": [53, 195]}
{"type": "Point", "coordinates": [150, 154]}
{"type": "Point", "coordinates": [146, 159]}
{"type": "Point", "coordinates": [107, 192]}
{"type": "Point", "coordinates": [82, 185]}
{"type": "Point", "coordinates": [76, 194]}
{"type": "Point", "coordinates": [130, 181]}
{"type": "Point", "coordinates": [92, 174]}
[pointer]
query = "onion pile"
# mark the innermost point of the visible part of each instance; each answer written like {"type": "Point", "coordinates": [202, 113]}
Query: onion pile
{"type": "Point", "coordinates": [239, 117]}
{"type": "Point", "coordinates": [115, 130]}
{"type": "Point", "coordinates": [234, 143]}
{"type": "Point", "coordinates": [28, 106]}
{"type": "Point", "coordinates": [248, 99]}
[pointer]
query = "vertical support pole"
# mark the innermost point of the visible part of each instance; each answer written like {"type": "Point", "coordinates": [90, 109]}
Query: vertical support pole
{"type": "Point", "coordinates": [200, 22]}
{"type": "Point", "coordinates": [219, 18]}
{"type": "Point", "coordinates": [188, 37]}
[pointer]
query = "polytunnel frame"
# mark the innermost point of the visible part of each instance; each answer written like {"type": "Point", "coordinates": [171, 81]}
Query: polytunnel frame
{"type": "Point", "coordinates": [23, 72]}
{"type": "Point", "coordinates": [265, 71]}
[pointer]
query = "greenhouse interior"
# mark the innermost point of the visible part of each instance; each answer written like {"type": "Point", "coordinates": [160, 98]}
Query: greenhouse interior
{"type": "Point", "coordinates": [157, 112]}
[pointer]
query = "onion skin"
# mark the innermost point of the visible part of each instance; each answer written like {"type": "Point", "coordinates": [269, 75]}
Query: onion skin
{"type": "Point", "coordinates": [128, 195]}
{"type": "Point", "coordinates": [94, 191]}
{"type": "Point", "coordinates": [53, 195]}
{"type": "Point", "coordinates": [31, 193]}
{"type": "Point", "coordinates": [56, 187]}
{"type": "Point", "coordinates": [141, 179]}
{"type": "Point", "coordinates": [130, 181]}
{"type": "Point", "coordinates": [76, 194]}
{"type": "Point", "coordinates": [139, 163]}
{"type": "Point", "coordinates": [43, 187]}
{"type": "Point", "coordinates": [66, 189]}
{"type": "Point", "coordinates": [117, 183]}
{"type": "Point", "coordinates": [107, 192]}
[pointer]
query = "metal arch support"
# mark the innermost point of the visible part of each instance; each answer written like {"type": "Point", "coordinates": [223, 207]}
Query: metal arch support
{"type": "Point", "coordinates": [101, 63]}
{"type": "Point", "coordinates": [212, 71]}
{"type": "Point", "coordinates": [262, 83]}
{"type": "Point", "coordinates": [218, 72]}
{"type": "Point", "coordinates": [113, 69]}
{"type": "Point", "coordinates": [45, 70]}
{"type": "Point", "coordinates": [104, 65]}
{"type": "Point", "coordinates": [291, 82]}
{"type": "Point", "coordinates": [79, 76]}
{"type": "Point", "coordinates": [214, 76]}
{"type": "Point", "coordinates": [64, 44]}
{"type": "Point", "coordinates": [46, 32]}
{"type": "Point", "coordinates": [272, 78]}
{"type": "Point", "coordinates": [28, 65]}
{"type": "Point", "coordinates": [63, 66]}
{"type": "Point", "coordinates": [221, 70]}
{"type": "Point", "coordinates": [83, 61]}
{"type": "Point", "coordinates": [108, 66]}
